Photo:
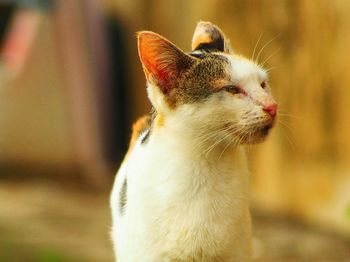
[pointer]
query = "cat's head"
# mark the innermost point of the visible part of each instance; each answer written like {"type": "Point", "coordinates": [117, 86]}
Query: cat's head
{"type": "Point", "coordinates": [210, 89]}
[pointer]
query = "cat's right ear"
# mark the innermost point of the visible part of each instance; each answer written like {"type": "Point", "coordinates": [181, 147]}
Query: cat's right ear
{"type": "Point", "coordinates": [162, 61]}
{"type": "Point", "coordinates": [210, 37]}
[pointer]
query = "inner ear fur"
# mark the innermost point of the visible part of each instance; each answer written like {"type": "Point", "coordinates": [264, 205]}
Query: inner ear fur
{"type": "Point", "coordinates": [162, 61]}
{"type": "Point", "coordinates": [210, 37]}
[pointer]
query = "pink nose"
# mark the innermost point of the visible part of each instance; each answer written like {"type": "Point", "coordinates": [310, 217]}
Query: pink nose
{"type": "Point", "coordinates": [271, 109]}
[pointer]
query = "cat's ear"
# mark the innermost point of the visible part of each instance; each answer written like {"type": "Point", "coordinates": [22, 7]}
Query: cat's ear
{"type": "Point", "coordinates": [162, 61]}
{"type": "Point", "coordinates": [210, 37]}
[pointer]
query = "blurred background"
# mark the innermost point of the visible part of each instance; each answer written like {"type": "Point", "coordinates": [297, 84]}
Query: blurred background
{"type": "Point", "coordinates": [71, 85]}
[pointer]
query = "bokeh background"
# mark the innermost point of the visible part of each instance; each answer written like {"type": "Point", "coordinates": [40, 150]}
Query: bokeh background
{"type": "Point", "coordinates": [71, 85]}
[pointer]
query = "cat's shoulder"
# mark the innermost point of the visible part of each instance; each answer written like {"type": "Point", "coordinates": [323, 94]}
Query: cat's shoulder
{"type": "Point", "coordinates": [139, 126]}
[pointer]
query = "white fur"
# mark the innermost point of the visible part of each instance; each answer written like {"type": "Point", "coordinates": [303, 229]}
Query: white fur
{"type": "Point", "coordinates": [187, 191]}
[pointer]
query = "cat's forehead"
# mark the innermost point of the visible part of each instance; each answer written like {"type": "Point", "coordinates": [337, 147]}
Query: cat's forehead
{"type": "Point", "coordinates": [231, 66]}
{"type": "Point", "coordinates": [243, 68]}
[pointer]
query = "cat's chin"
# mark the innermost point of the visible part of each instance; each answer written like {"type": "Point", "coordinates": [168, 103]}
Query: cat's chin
{"type": "Point", "coordinates": [258, 136]}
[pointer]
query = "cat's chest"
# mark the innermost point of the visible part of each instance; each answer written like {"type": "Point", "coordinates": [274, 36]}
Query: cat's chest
{"type": "Point", "coordinates": [191, 205]}
{"type": "Point", "coordinates": [184, 205]}
{"type": "Point", "coordinates": [172, 182]}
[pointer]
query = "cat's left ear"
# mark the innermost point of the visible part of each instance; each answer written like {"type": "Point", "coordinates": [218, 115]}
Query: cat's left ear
{"type": "Point", "coordinates": [162, 61]}
{"type": "Point", "coordinates": [210, 37]}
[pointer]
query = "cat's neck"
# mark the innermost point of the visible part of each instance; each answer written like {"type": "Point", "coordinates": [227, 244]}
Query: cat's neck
{"type": "Point", "coordinates": [197, 144]}
{"type": "Point", "coordinates": [195, 161]}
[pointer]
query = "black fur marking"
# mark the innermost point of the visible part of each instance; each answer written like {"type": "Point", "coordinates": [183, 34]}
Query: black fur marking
{"type": "Point", "coordinates": [146, 136]}
{"type": "Point", "coordinates": [211, 47]}
{"type": "Point", "coordinates": [123, 196]}
{"type": "Point", "coordinates": [147, 132]}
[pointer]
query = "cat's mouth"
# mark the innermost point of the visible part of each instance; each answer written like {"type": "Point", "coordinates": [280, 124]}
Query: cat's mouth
{"type": "Point", "coordinates": [258, 135]}
{"type": "Point", "coordinates": [255, 133]}
{"type": "Point", "coordinates": [265, 130]}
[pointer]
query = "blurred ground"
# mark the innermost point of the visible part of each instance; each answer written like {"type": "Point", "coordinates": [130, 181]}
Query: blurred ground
{"type": "Point", "coordinates": [45, 221]}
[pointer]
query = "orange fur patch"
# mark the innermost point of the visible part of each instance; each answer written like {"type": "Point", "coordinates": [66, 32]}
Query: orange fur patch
{"type": "Point", "coordinates": [140, 125]}
{"type": "Point", "coordinates": [200, 39]}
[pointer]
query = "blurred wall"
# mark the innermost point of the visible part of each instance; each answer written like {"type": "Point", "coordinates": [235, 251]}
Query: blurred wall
{"type": "Point", "coordinates": [34, 119]}
{"type": "Point", "coordinates": [303, 170]}
{"type": "Point", "coordinates": [57, 103]}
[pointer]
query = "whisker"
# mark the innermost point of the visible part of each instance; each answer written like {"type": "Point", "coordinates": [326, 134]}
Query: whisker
{"type": "Point", "coordinates": [217, 132]}
{"type": "Point", "coordinates": [284, 133]}
{"type": "Point", "coordinates": [283, 112]}
{"type": "Point", "coordinates": [204, 138]}
{"type": "Point", "coordinates": [223, 151]}
{"type": "Point", "coordinates": [248, 145]}
{"type": "Point", "coordinates": [274, 68]}
{"type": "Point", "coordinates": [256, 45]}
{"type": "Point", "coordinates": [231, 133]}
{"type": "Point", "coordinates": [262, 49]}
{"type": "Point", "coordinates": [215, 144]}
{"type": "Point", "coordinates": [267, 59]}
{"type": "Point", "coordinates": [286, 126]}
{"type": "Point", "coordinates": [288, 115]}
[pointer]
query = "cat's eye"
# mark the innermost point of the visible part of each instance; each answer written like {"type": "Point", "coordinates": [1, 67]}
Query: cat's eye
{"type": "Point", "coordinates": [263, 84]}
{"type": "Point", "coordinates": [232, 89]}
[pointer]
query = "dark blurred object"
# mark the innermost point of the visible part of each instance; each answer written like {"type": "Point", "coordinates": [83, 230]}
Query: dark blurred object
{"type": "Point", "coordinates": [19, 39]}
{"type": "Point", "coordinates": [8, 8]}
{"type": "Point", "coordinates": [63, 90]}
{"type": "Point", "coordinates": [93, 64]}
{"type": "Point", "coordinates": [19, 22]}
{"type": "Point", "coordinates": [119, 109]}
{"type": "Point", "coordinates": [6, 12]}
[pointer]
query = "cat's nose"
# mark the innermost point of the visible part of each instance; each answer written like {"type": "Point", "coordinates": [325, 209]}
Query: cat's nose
{"type": "Point", "coordinates": [271, 109]}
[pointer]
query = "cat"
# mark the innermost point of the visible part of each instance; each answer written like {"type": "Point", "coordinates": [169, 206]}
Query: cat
{"type": "Point", "coordinates": [181, 193]}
